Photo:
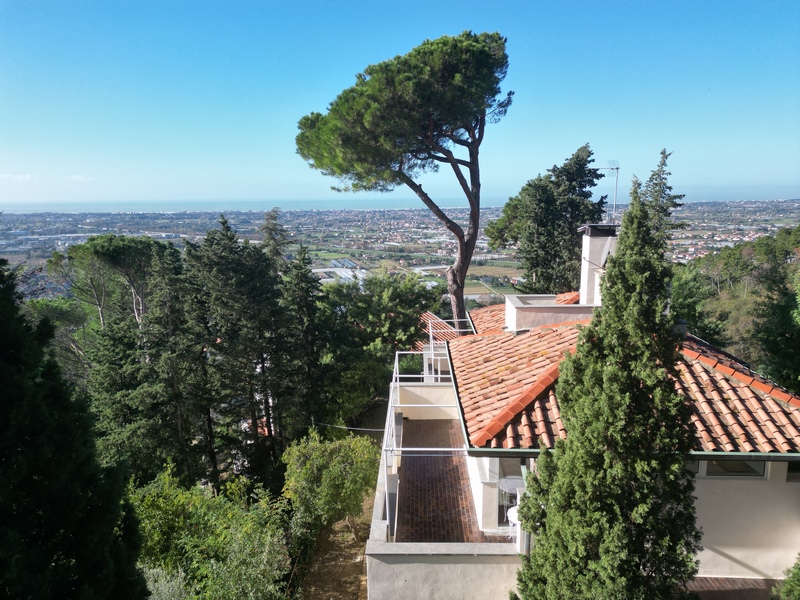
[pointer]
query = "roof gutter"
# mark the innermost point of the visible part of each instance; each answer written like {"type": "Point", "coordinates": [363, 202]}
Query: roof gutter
{"type": "Point", "coordinates": [695, 455]}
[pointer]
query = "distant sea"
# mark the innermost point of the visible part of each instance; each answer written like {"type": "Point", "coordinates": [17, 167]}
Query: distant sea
{"type": "Point", "coordinates": [347, 202]}
{"type": "Point", "coordinates": [149, 206]}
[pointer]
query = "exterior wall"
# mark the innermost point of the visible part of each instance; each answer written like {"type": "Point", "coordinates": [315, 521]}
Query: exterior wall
{"type": "Point", "coordinates": [598, 243]}
{"type": "Point", "coordinates": [751, 526]}
{"type": "Point", "coordinates": [483, 476]}
{"type": "Point", "coordinates": [527, 312]}
{"type": "Point", "coordinates": [441, 571]}
{"type": "Point", "coordinates": [439, 397]}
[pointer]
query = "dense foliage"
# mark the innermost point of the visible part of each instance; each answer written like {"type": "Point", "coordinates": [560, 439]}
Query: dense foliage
{"type": "Point", "coordinates": [328, 480]}
{"type": "Point", "coordinates": [543, 220]}
{"type": "Point", "coordinates": [789, 588]}
{"type": "Point", "coordinates": [65, 529]}
{"type": "Point", "coordinates": [218, 358]}
{"type": "Point", "coordinates": [409, 115]}
{"type": "Point", "coordinates": [228, 547]}
{"type": "Point", "coordinates": [215, 360]}
{"type": "Point", "coordinates": [611, 510]}
{"type": "Point", "coordinates": [745, 299]}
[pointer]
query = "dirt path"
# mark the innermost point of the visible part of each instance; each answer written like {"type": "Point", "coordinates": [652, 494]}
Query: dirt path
{"type": "Point", "coordinates": [339, 571]}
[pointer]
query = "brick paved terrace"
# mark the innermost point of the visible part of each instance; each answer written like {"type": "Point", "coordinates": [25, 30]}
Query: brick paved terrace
{"type": "Point", "coordinates": [731, 588]}
{"type": "Point", "coordinates": [434, 499]}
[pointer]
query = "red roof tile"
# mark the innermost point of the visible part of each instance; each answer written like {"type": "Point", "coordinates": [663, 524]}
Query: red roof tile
{"type": "Point", "coordinates": [506, 386]}
{"type": "Point", "coordinates": [568, 298]}
{"type": "Point", "coordinates": [488, 318]}
{"type": "Point", "coordinates": [499, 374]}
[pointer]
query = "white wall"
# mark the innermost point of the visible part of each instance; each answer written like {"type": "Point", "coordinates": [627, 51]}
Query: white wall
{"type": "Point", "coordinates": [751, 526]}
{"type": "Point", "coordinates": [527, 312]}
{"type": "Point", "coordinates": [483, 475]}
{"type": "Point", "coordinates": [432, 396]}
{"type": "Point", "coordinates": [441, 571]}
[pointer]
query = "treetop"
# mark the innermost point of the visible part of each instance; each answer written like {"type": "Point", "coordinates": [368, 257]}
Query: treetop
{"type": "Point", "coordinates": [405, 115]}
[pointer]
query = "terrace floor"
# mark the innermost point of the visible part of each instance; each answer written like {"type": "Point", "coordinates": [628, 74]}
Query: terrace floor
{"type": "Point", "coordinates": [731, 588]}
{"type": "Point", "coordinates": [434, 501]}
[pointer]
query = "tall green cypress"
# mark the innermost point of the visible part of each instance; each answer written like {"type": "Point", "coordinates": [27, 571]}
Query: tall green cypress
{"type": "Point", "coordinates": [64, 528]}
{"type": "Point", "coordinates": [611, 512]}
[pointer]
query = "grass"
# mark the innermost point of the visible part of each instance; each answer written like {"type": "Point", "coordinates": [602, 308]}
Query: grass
{"type": "Point", "coordinates": [325, 254]}
{"type": "Point", "coordinates": [494, 271]}
{"type": "Point", "coordinates": [475, 287]}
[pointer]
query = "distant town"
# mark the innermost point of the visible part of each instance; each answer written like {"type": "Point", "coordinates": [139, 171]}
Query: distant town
{"type": "Point", "coordinates": [350, 243]}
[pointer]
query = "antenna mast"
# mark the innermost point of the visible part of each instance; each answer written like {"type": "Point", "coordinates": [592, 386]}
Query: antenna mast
{"type": "Point", "coordinates": [613, 165]}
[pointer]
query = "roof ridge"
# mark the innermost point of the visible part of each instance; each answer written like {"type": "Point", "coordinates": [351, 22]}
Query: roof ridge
{"type": "Point", "coordinates": [520, 403]}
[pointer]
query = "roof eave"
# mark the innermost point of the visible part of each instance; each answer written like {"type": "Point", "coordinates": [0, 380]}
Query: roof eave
{"type": "Point", "coordinates": [695, 455]}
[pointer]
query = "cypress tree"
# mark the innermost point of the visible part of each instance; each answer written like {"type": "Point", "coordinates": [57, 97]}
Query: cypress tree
{"type": "Point", "coordinates": [65, 531]}
{"type": "Point", "coordinates": [543, 221]}
{"type": "Point", "coordinates": [611, 510]}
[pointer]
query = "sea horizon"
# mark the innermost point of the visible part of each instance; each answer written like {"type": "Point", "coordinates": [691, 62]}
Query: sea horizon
{"type": "Point", "coordinates": [223, 206]}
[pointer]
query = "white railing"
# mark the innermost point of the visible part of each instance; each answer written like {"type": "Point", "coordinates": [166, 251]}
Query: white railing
{"type": "Point", "coordinates": [429, 394]}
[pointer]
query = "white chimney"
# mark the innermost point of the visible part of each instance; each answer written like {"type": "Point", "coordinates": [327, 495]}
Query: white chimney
{"type": "Point", "coordinates": [599, 242]}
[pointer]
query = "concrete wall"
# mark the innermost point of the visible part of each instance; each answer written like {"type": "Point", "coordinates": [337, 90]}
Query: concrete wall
{"type": "Point", "coordinates": [441, 571]}
{"type": "Point", "coordinates": [527, 312]}
{"type": "Point", "coordinates": [483, 475]}
{"type": "Point", "coordinates": [751, 526]}
{"type": "Point", "coordinates": [429, 395]}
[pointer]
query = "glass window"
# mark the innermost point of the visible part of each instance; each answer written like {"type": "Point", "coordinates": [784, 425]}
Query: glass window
{"type": "Point", "coordinates": [735, 468]}
{"type": "Point", "coordinates": [693, 466]}
{"type": "Point", "coordinates": [793, 471]}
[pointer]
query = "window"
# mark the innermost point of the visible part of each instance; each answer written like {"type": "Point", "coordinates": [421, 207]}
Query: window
{"type": "Point", "coordinates": [793, 471]}
{"type": "Point", "coordinates": [735, 468]}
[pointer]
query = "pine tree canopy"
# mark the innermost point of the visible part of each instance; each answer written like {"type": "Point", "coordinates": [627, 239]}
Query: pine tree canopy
{"type": "Point", "coordinates": [412, 114]}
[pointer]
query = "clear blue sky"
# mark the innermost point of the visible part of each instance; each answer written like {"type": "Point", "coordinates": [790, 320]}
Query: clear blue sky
{"type": "Point", "coordinates": [141, 100]}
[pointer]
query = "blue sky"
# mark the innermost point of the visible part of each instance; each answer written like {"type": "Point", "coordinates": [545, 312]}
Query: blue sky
{"type": "Point", "coordinates": [154, 101]}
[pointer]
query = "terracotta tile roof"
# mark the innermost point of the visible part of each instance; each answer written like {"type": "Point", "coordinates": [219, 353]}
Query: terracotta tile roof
{"type": "Point", "coordinates": [488, 318]}
{"type": "Point", "coordinates": [568, 298]}
{"type": "Point", "coordinates": [506, 385]}
{"type": "Point", "coordinates": [500, 375]}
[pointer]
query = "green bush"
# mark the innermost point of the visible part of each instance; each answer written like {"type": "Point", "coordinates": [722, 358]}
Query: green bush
{"type": "Point", "coordinates": [228, 546]}
{"type": "Point", "coordinates": [789, 588]}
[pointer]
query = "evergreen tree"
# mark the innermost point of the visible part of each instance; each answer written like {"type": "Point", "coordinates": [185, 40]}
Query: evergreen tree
{"type": "Point", "coordinates": [543, 221]}
{"type": "Point", "coordinates": [611, 510]}
{"type": "Point", "coordinates": [234, 319]}
{"type": "Point", "coordinates": [410, 115]}
{"type": "Point", "coordinates": [64, 529]}
{"type": "Point", "coordinates": [302, 345]}
{"type": "Point", "coordinates": [368, 321]}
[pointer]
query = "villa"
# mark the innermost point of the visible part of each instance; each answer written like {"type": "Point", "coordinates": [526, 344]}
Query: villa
{"type": "Point", "coordinates": [462, 431]}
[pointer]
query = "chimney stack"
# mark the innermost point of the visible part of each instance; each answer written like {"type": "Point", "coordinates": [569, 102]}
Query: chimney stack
{"type": "Point", "coordinates": [599, 241]}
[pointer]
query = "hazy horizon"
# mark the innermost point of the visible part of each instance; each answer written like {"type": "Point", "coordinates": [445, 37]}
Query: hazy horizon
{"type": "Point", "coordinates": [158, 101]}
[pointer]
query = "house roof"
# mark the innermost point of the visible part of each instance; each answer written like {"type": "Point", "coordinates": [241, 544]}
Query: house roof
{"type": "Point", "coordinates": [506, 385]}
{"type": "Point", "coordinates": [488, 318]}
{"type": "Point", "coordinates": [498, 375]}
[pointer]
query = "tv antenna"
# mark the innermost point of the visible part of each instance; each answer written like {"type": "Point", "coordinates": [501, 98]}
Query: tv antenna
{"type": "Point", "coordinates": [613, 165]}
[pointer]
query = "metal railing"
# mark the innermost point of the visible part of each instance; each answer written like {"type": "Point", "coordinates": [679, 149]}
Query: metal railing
{"type": "Point", "coordinates": [431, 369]}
